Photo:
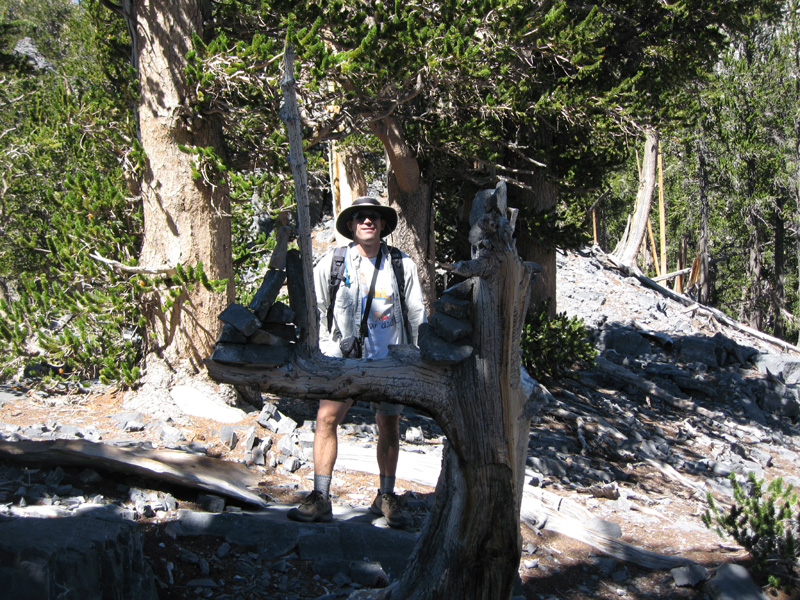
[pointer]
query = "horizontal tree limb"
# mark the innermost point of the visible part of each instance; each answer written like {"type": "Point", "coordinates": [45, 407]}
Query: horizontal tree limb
{"type": "Point", "coordinates": [402, 378]}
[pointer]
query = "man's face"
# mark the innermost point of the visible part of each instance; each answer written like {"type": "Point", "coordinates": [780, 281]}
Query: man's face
{"type": "Point", "coordinates": [366, 226]}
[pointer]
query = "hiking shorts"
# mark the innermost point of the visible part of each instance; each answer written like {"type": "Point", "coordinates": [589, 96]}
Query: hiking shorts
{"type": "Point", "coordinates": [386, 409]}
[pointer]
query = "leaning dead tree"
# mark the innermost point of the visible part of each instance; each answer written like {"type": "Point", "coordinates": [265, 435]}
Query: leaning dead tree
{"type": "Point", "coordinates": [628, 247]}
{"type": "Point", "coordinates": [467, 375]}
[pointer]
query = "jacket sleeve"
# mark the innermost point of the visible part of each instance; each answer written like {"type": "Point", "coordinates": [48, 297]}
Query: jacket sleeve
{"type": "Point", "coordinates": [414, 302]}
{"type": "Point", "coordinates": [322, 276]}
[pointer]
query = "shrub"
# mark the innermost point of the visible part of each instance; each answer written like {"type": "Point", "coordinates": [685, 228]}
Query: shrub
{"type": "Point", "coordinates": [765, 524]}
{"type": "Point", "coordinates": [551, 347]}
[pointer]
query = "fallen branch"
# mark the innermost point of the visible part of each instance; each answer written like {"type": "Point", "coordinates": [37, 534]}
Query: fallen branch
{"type": "Point", "coordinates": [543, 510]}
{"type": "Point", "coordinates": [115, 264]}
{"type": "Point", "coordinates": [717, 314]}
{"type": "Point", "coordinates": [173, 466]}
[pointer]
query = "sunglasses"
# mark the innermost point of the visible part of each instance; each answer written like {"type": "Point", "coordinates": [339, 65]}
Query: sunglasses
{"type": "Point", "coordinates": [360, 217]}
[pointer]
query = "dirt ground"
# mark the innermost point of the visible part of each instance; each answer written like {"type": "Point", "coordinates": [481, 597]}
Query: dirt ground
{"type": "Point", "coordinates": [664, 514]}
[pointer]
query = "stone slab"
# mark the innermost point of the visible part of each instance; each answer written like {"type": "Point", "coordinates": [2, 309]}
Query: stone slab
{"type": "Point", "coordinates": [194, 402]}
{"type": "Point", "coordinates": [241, 318]}
{"type": "Point", "coordinates": [733, 582]}
{"type": "Point", "coordinates": [93, 558]}
{"type": "Point", "coordinates": [268, 292]}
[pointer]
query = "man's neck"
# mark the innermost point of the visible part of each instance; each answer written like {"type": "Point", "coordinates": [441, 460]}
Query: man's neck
{"type": "Point", "coordinates": [368, 250]}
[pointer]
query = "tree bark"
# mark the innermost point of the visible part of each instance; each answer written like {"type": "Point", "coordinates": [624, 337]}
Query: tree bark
{"type": "Point", "coordinates": [186, 221]}
{"type": "Point", "coordinates": [704, 289]}
{"type": "Point", "coordinates": [412, 197]}
{"type": "Point", "coordinates": [347, 179]}
{"type": "Point", "coordinates": [541, 197]}
{"type": "Point", "coordinates": [470, 547]}
{"type": "Point", "coordinates": [628, 249]}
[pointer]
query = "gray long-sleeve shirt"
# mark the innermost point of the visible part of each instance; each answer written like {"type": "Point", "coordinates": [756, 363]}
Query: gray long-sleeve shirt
{"type": "Point", "coordinates": [349, 300]}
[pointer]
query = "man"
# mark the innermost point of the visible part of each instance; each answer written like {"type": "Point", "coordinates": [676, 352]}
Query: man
{"type": "Point", "coordinates": [366, 222]}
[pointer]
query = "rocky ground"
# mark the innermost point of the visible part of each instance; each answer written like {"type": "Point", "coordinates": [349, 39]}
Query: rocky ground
{"type": "Point", "coordinates": [678, 400]}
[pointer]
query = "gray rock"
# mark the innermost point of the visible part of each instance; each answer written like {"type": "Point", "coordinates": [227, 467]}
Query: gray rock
{"type": "Point", "coordinates": [461, 290]}
{"type": "Point", "coordinates": [267, 293]}
{"type": "Point", "coordinates": [699, 349]}
{"type": "Point", "coordinates": [689, 576]}
{"type": "Point", "coordinates": [369, 574]}
{"type": "Point", "coordinates": [783, 366]}
{"type": "Point", "coordinates": [458, 308]}
{"type": "Point", "coordinates": [240, 318]}
{"type": "Point", "coordinates": [448, 328]}
{"type": "Point", "coordinates": [286, 425]}
{"type": "Point", "coordinates": [548, 466]}
{"type": "Point", "coordinates": [265, 356]}
{"type": "Point", "coordinates": [626, 342]}
{"type": "Point", "coordinates": [229, 334]}
{"type": "Point", "coordinates": [228, 354]}
{"type": "Point", "coordinates": [414, 435]}
{"type": "Point", "coordinates": [265, 338]}
{"type": "Point", "coordinates": [44, 557]}
{"type": "Point", "coordinates": [291, 464]}
{"type": "Point", "coordinates": [280, 313]}
{"type": "Point", "coordinates": [437, 351]}
{"type": "Point", "coordinates": [228, 437]}
{"type": "Point", "coordinates": [733, 582]}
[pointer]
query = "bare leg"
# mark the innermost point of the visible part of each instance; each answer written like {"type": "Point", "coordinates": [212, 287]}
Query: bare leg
{"type": "Point", "coordinates": [326, 446]}
{"type": "Point", "coordinates": [388, 443]}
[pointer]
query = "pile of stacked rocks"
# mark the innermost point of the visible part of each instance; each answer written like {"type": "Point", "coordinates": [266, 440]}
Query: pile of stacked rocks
{"type": "Point", "coordinates": [261, 334]}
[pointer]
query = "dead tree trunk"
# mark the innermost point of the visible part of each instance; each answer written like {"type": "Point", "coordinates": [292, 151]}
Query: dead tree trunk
{"type": "Point", "coordinates": [475, 389]}
{"type": "Point", "coordinates": [482, 402]}
{"type": "Point", "coordinates": [473, 529]}
{"type": "Point", "coordinates": [629, 247]}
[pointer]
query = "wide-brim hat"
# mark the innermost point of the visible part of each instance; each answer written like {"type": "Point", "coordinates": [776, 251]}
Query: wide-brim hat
{"type": "Point", "coordinates": [387, 213]}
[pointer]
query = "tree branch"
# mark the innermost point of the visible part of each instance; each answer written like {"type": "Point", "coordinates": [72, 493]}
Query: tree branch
{"type": "Point", "coordinates": [115, 264]}
{"type": "Point", "coordinates": [402, 378]}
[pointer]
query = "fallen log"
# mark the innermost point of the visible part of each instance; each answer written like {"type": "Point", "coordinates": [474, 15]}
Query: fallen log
{"type": "Point", "coordinates": [720, 316]}
{"type": "Point", "coordinates": [544, 510]}
{"type": "Point", "coordinates": [173, 466]}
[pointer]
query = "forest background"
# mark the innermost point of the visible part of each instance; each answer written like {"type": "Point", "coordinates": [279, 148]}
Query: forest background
{"type": "Point", "coordinates": [561, 100]}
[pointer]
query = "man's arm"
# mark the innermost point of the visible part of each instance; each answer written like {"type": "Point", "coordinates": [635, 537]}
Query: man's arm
{"type": "Point", "coordinates": [322, 276]}
{"type": "Point", "coordinates": [414, 301]}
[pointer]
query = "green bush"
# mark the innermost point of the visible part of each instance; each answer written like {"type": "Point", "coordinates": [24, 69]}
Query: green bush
{"type": "Point", "coordinates": [765, 524]}
{"type": "Point", "coordinates": [552, 347]}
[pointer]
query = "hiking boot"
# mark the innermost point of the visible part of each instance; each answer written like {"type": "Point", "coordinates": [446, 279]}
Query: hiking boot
{"type": "Point", "coordinates": [388, 506]}
{"type": "Point", "coordinates": [314, 508]}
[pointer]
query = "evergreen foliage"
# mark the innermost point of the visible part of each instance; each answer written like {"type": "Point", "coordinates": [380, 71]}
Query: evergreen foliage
{"type": "Point", "coordinates": [551, 347]}
{"type": "Point", "coordinates": [485, 89]}
{"type": "Point", "coordinates": [734, 144]}
{"type": "Point", "coordinates": [766, 524]}
{"type": "Point", "coordinates": [64, 201]}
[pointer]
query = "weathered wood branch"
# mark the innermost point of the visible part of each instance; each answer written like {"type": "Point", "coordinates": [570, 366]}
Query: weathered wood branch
{"type": "Point", "coordinates": [297, 161]}
{"type": "Point", "coordinates": [173, 466]}
{"type": "Point", "coordinates": [542, 510]}
{"type": "Point", "coordinates": [402, 378]}
{"type": "Point", "coordinates": [115, 264]}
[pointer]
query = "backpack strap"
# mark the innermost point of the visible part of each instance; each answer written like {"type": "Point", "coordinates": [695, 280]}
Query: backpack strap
{"type": "Point", "coordinates": [337, 275]}
{"type": "Point", "coordinates": [399, 275]}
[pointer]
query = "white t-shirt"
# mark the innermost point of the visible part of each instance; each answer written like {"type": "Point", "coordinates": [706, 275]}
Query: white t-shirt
{"type": "Point", "coordinates": [382, 325]}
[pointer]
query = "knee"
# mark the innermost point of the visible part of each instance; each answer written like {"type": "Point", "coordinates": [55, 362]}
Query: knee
{"type": "Point", "coordinates": [388, 426]}
{"type": "Point", "coordinates": [328, 420]}
{"type": "Point", "coordinates": [327, 423]}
